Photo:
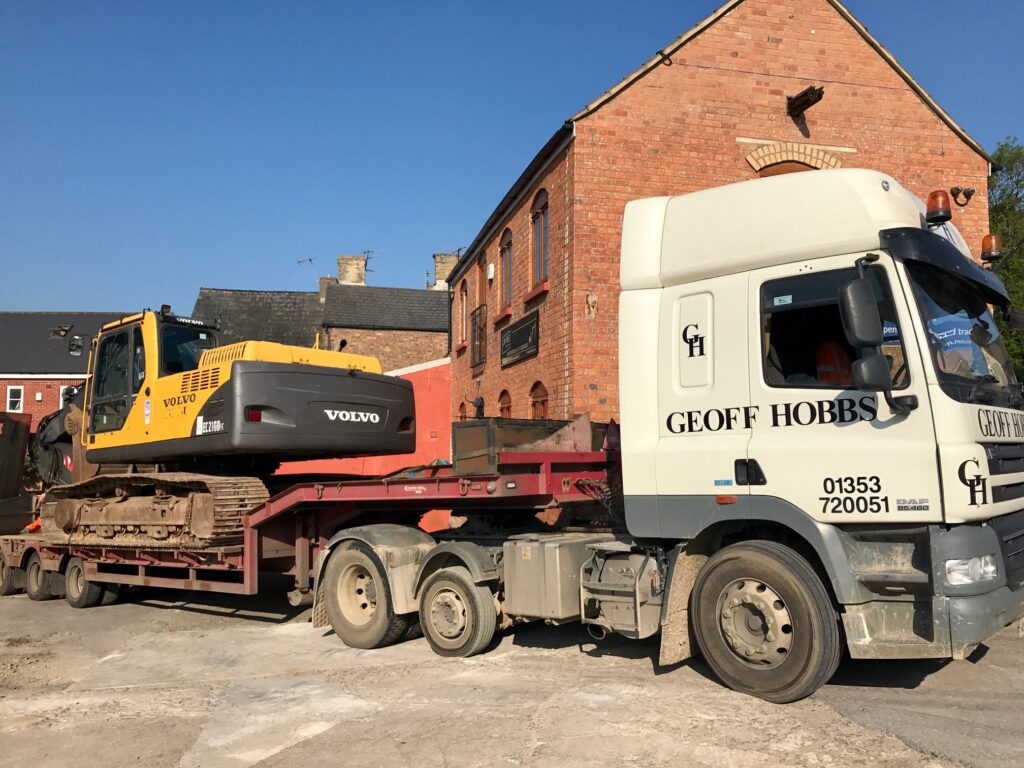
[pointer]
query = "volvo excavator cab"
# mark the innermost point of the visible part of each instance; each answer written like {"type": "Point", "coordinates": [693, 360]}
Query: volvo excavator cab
{"type": "Point", "coordinates": [163, 390]}
{"type": "Point", "coordinates": [187, 432]}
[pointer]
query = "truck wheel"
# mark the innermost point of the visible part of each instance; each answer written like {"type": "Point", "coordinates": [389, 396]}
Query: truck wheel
{"type": "Point", "coordinates": [38, 582]}
{"type": "Point", "coordinates": [9, 581]}
{"type": "Point", "coordinates": [765, 622]}
{"type": "Point", "coordinates": [110, 593]}
{"type": "Point", "coordinates": [359, 600]}
{"type": "Point", "coordinates": [78, 590]}
{"type": "Point", "coordinates": [457, 616]}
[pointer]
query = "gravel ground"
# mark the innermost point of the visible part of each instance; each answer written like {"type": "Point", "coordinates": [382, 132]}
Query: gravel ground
{"type": "Point", "coordinates": [173, 679]}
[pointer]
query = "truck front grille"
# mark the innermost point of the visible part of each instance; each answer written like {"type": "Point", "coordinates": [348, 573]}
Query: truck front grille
{"type": "Point", "coordinates": [1010, 529]}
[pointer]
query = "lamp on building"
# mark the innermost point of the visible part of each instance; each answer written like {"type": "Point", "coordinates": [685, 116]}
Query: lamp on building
{"type": "Point", "coordinates": [807, 98]}
{"type": "Point", "coordinates": [967, 192]}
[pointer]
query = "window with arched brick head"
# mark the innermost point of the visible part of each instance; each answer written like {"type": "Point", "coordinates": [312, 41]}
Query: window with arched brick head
{"type": "Point", "coordinates": [505, 404]}
{"type": "Point", "coordinates": [778, 169]}
{"type": "Point", "coordinates": [463, 310]}
{"type": "Point", "coordinates": [538, 401]}
{"type": "Point", "coordinates": [506, 269]}
{"type": "Point", "coordinates": [539, 221]}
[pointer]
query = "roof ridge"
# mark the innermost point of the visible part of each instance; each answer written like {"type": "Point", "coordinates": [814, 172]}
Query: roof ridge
{"type": "Point", "coordinates": [254, 290]}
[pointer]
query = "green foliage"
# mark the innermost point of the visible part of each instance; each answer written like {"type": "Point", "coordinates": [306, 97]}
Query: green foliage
{"type": "Point", "coordinates": [1006, 218]}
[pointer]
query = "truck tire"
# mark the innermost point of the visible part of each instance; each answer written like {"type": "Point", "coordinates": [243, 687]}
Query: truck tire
{"type": "Point", "coordinates": [10, 581]}
{"type": "Point", "coordinates": [358, 599]}
{"type": "Point", "coordinates": [765, 623]}
{"type": "Point", "coordinates": [78, 590]}
{"type": "Point", "coordinates": [38, 582]}
{"type": "Point", "coordinates": [110, 593]}
{"type": "Point", "coordinates": [458, 617]}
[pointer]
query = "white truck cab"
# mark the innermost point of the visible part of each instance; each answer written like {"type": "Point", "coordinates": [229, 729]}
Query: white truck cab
{"type": "Point", "coordinates": [815, 354]}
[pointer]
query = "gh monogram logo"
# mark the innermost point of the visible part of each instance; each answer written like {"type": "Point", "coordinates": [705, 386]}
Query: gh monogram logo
{"type": "Point", "coordinates": [976, 484]}
{"type": "Point", "coordinates": [694, 340]}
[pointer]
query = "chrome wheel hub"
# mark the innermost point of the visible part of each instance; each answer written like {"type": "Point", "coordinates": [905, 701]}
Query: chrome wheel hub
{"type": "Point", "coordinates": [755, 623]}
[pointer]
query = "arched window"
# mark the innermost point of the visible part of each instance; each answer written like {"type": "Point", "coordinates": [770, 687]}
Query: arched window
{"type": "Point", "coordinates": [505, 404]}
{"type": "Point", "coordinates": [463, 310]}
{"type": "Point", "coordinates": [539, 219]}
{"type": "Point", "coordinates": [538, 401]}
{"type": "Point", "coordinates": [787, 166]}
{"type": "Point", "coordinates": [506, 269]}
{"type": "Point", "coordinates": [462, 411]}
{"type": "Point", "coordinates": [481, 280]}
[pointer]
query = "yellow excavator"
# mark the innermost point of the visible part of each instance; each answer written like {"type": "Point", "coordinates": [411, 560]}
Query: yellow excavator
{"type": "Point", "coordinates": [186, 433]}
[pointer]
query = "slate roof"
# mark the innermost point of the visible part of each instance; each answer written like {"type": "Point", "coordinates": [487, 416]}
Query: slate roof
{"type": "Point", "coordinates": [287, 317]}
{"type": "Point", "coordinates": [407, 309]}
{"type": "Point", "coordinates": [26, 346]}
{"type": "Point", "coordinates": [294, 317]}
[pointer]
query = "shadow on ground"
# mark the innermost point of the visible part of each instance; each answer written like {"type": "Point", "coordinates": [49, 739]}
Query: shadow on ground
{"type": "Point", "coordinates": [269, 606]}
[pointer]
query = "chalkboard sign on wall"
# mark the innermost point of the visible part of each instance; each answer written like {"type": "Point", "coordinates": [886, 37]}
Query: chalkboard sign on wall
{"type": "Point", "coordinates": [519, 340]}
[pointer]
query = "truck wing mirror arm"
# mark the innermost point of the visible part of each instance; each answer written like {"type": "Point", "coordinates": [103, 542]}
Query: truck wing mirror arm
{"type": "Point", "coordinates": [858, 310]}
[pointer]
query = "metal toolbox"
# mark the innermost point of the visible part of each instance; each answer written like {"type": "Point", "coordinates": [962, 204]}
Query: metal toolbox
{"type": "Point", "coordinates": [542, 573]}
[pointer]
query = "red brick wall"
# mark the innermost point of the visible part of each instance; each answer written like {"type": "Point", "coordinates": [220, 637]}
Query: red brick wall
{"type": "Point", "coordinates": [553, 365]}
{"type": "Point", "coordinates": [395, 349]}
{"type": "Point", "coordinates": [675, 131]}
{"type": "Point", "coordinates": [49, 389]}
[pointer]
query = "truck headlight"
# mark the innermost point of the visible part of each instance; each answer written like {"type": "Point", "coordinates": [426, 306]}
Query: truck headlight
{"type": "Point", "coordinates": [971, 570]}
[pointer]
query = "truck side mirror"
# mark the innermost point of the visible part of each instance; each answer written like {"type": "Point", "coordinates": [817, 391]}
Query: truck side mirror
{"type": "Point", "coordinates": [871, 373]}
{"type": "Point", "coordinates": [75, 346]}
{"type": "Point", "coordinates": [858, 309]}
{"type": "Point", "coordinates": [1014, 318]}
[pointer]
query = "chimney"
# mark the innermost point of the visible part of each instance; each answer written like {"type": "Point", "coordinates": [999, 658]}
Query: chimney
{"type": "Point", "coordinates": [352, 270]}
{"type": "Point", "coordinates": [444, 263]}
{"type": "Point", "coordinates": [324, 282]}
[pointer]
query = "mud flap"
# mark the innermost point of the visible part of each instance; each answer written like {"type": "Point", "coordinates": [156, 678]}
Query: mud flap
{"type": "Point", "coordinates": [675, 623]}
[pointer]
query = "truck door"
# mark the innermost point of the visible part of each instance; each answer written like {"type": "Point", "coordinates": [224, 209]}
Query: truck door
{"type": "Point", "coordinates": [703, 393]}
{"type": "Point", "coordinates": [120, 371]}
{"type": "Point", "coordinates": [837, 453]}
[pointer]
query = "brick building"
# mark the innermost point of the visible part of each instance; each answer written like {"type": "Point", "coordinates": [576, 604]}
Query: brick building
{"type": "Point", "coordinates": [534, 316]}
{"type": "Point", "coordinates": [401, 326]}
{"type": "Point", "coordinates": [35, 367]}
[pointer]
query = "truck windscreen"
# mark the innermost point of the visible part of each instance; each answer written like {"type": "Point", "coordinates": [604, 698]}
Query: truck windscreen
{"type": "Point", "coordinates": [966, 347]}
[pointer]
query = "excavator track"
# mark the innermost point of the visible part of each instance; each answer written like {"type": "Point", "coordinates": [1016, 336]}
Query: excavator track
{"type": "Point", "coordinates": [171, 510]}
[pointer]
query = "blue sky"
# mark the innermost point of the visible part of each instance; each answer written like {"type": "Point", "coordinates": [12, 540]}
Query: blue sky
{"type": "Point", "coordinates": [148, 149]}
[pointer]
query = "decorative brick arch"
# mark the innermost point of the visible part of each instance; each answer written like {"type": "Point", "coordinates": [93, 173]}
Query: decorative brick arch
{"type": "Point", "coordinates": [791, 152]}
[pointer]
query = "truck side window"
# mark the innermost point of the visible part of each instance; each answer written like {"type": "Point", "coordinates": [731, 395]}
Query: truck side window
{"type": "Point", "coordinates": [803, 342]}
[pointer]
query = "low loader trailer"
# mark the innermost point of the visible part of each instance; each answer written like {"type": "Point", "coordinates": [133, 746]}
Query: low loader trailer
{"type": "Point", "coordinates": [821, 452]}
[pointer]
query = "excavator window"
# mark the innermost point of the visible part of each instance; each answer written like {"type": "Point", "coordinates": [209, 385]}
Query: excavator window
{"type": "Point", "coordinates": [110, 387]}
{"type": "Point", "coordinates": [181, 347]}
{"type": "Point", "coordinates": [138, 360]}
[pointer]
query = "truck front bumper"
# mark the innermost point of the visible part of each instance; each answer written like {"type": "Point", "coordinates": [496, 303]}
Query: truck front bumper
{"type": "Point", "coordinates": [974, 619]}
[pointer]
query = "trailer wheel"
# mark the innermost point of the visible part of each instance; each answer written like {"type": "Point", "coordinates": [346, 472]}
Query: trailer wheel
{"type": "Point", "coordinates": [9, 581]}
{"type": "Point", "coordinates": [78, 590]}
{"type": "Point", "coordinates": [765, 622]}
{"type": "Point", "coordinates": [359, 600]}
{"type": "Point", "coordinates": [458, 617]}
{"type": "Point", "coordinates": [110, 593]}
{"type": "Point", "coordinates": [38, 581]}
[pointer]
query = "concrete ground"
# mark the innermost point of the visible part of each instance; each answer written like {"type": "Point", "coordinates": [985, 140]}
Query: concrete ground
{"type": "Point", "coordinates": [174, 679]}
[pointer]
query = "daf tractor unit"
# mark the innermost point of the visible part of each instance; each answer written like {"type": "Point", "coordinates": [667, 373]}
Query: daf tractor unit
{"type": "Point", "coordinates": [820, 452]}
